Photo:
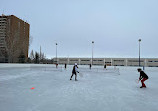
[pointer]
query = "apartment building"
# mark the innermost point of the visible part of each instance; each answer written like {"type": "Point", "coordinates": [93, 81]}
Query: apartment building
{"type": "Point", "coordinates": [14, 38]}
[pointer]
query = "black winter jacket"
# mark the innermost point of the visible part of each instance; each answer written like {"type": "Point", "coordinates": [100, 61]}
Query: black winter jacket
{"type": "Point", "coordinates": [143, 75]}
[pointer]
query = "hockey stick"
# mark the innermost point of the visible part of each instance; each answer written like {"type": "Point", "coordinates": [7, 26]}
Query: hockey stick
{"type": "Point", "coordinates": [137, 81]}
{"type": "Point", "coordinates": [80, 74]}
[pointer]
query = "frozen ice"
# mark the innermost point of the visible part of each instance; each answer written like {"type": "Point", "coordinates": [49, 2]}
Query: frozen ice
{"type": "Point", "coordinates": [98, 89]}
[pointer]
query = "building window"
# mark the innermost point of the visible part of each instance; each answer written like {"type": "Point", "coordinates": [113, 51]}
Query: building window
{"type": "Point", "coordinates": [97, 60]}
{"type": "Point", "coordinates": [119, 60]}
{"type": "Point", "coordinates": [85, 60]}
{"type": "Point", "coordinates": [107, 62]}
{"type": "Point", "coordinates": [135, 61]}
{"type": "Point", "coordinates": [62, 60]}
{"type": "Point", "coordinates": [73, 60]}
{"type": "Point", "coordinates": [152, 61]}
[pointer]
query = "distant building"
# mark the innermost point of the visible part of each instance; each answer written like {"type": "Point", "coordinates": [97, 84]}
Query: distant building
{"type": "Point", "coordinates": [147, 62]}
{"type": "Point", "coordinates": [14, 39]}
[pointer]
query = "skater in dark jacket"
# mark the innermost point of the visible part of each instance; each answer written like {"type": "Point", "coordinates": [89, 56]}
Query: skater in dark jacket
{"type": "Point", "coordinates": [143, 77]}
{"type": "Point", "coordinates": [65, 66]}
{"type": "Point", "coordinates": [90, 65]}
{"type": "Point", "coordinates": [74, 71]}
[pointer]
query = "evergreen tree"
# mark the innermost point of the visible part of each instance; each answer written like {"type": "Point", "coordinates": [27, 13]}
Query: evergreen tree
{"type": "Point", "coordinates": [36, 57]}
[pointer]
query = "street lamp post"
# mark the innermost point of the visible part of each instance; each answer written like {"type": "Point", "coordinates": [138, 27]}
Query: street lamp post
{"type": "Point", "coordinates": [56, 54]}
{"type": "Point", "coordinates": [139, 50]}
{"type": "Point", "coordinates": [92, 51]}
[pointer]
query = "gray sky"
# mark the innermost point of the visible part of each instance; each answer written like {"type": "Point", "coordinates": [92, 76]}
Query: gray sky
{"type": "Point", "coordinates": [114, 25]}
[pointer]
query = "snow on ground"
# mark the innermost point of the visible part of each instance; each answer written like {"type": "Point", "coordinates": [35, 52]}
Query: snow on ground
{"type": "Point", "coordinates": [97, 90]}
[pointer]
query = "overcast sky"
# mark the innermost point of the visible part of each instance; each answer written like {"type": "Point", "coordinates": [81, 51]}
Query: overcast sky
{"type": "Point", "coordinates": [114, 25]}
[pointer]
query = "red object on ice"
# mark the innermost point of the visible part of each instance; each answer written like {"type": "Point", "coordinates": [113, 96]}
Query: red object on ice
{"type": "Point", "coordinates": [32, 88]}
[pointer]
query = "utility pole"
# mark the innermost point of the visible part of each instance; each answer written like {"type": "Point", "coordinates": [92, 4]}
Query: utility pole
{"type": "Point", "coordinates": [139, 51]}
{"type": "Point", "coordinates": [56, 56]}
{"type": "Point", "coordinates": [92, 51]}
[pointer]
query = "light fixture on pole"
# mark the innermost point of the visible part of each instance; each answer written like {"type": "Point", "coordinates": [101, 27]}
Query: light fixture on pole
{"type": "Point", "coordinates": [139, 50]}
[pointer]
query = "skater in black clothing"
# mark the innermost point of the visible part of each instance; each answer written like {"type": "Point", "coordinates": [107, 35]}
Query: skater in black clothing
{"type": "Point", "coordinates": [74, 71]}
{"type": "Point", "coordinates": [90, 66]}
{"type": "Point", "coordinates": [65, 66]}
{"type": "Point", "coordinates": [105, 66]}
{"type": "Point", "coordinates": [143, 77]}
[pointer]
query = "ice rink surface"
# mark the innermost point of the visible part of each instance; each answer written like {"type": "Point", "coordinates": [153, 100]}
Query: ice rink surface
{"type": "Point", "coordinates": [98, 90]}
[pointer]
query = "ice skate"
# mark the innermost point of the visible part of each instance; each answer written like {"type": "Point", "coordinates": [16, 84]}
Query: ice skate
{"type": "Point", "coordinates": [141, 87]}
